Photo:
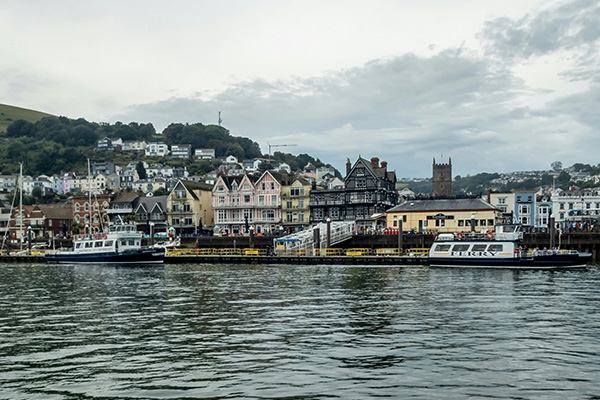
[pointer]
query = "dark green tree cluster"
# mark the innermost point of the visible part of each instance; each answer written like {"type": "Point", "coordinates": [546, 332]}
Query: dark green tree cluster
{"type": "Point", "coordinates": [211, 137]}
{"type": "Point", "coordinates": [53, 145]}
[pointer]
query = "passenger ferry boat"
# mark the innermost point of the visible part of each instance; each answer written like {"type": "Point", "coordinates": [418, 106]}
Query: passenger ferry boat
{"type": "Point", "coordinates": [122, 245]}
{"type": "Point", "coordinates": [499, 249]}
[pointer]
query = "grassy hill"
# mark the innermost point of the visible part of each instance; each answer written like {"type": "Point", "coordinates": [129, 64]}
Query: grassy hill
{"type": "Point", "coordinates": [9, 114]}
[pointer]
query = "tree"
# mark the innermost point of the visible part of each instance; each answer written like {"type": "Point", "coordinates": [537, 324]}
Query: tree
{"type": "Point", "coordinates": [556, 166]}
{"type": "Point", "coordinates": [141, 170]}
{"type": "Point", "coordinates": [160, 192]}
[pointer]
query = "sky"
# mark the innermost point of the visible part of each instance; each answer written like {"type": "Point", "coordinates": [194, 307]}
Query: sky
{"type": "Point", "coordinates": [495, 86]}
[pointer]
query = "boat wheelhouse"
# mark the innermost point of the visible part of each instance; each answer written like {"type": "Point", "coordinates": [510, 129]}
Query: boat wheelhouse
{"type": "Point", "coordinates": [501, 248]}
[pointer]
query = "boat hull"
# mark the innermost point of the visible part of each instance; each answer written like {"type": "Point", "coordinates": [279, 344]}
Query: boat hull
{"type": "Point", "coordinates": [556, 261]}
{"type": "Point", "coordinates": [143, 256]}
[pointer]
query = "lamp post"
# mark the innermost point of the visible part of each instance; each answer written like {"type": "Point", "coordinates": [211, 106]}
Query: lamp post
{"type": "Point", "coordinates": [151, 233]}
{"type": "Point", "coordinates": [251, 231]}
{"type": "Point", "coordinates": [29, 239]}
{"type": "Point", "coordinates": [328, 220]}
{"type": "Point", "coordinates": [472, 222]}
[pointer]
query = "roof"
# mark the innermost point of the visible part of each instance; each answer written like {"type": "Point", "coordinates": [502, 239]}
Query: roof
{"type": "Point", "coordinates": [443, 205]}
{"type": "Point", "coordinates": [57, 211]}
{"type": "Point", "coordinates": [125, 197]}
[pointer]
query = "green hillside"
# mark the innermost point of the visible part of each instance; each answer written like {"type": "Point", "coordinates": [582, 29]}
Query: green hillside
{"type": "Point", "coordinates": [9, 114]}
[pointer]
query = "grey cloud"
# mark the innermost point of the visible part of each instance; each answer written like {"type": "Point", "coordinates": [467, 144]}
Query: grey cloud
{"type": "Point", "coordinates": [404, 110]}
{"type": "Point", "coordinates": [572, 26]}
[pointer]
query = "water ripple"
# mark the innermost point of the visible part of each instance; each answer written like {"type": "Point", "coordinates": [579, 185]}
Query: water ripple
{"type": "Point", "coordinates": [291, 332]}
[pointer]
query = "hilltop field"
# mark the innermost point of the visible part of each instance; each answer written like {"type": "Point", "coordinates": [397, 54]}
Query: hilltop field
{"type": "Point", "coordinates": [10, 114]}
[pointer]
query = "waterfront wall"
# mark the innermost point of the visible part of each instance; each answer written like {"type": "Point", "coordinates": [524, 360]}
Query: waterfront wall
{"type": "Point", "coordinates": [581, 241]}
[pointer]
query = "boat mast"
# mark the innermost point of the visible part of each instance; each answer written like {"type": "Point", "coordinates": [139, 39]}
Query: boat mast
{"type": "Point", "coordinates": [90, 197]}
{"type": "Point", "coordinates": [21, 204]}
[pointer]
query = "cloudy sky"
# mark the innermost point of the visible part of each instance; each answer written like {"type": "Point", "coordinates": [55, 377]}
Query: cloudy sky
{"type": "Point", "coordinates": [495, 85]}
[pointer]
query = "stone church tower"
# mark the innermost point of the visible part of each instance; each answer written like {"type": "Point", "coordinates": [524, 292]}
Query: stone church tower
{"type": "Point", "coordinates": [442, 180]}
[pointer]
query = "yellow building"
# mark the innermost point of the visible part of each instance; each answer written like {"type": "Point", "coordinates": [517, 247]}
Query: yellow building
{"type": "Point", "coordinates": [189, 207]}
{"type": "Point", "coordinates": [444, 215]}
{"type": "Point", "coordinates": [295, 210]}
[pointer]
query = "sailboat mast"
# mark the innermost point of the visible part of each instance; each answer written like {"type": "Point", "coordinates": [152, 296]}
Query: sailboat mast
{"type": "Point", "coordinates": [90, 196]}
{"type": "Point", "coordinates": [21, 204]}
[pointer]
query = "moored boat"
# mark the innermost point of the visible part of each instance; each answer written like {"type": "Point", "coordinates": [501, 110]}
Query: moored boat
{"type": "Point", "coordinates": [122, 245]}
{"type": "Point", "coordinates": [499, 249]}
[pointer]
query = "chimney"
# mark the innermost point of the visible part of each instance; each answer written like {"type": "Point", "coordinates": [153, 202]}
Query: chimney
{"type": "Point", "coordinates": [384, 165]}
{"type": "Point", "coordinates": [489, 196]}
{"type": "Point", "coordinates": [348, 166]}
{"type": "Point", "coordinates": [375, 162]}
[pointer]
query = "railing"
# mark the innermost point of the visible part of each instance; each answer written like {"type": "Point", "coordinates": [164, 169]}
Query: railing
{"type": "Point", "coordinates": [339, 231]}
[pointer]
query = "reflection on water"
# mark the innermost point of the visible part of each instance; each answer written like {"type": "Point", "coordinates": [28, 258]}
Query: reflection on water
{"type": "Point", "coordinates": [281, 331]}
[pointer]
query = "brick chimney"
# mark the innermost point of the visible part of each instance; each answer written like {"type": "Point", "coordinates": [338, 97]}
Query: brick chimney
{"type": "Point", "coordinates": [384, 165]}
{"type": "Point", "coordinates": [375, 162]}
{"type": "Point", "coordinates": [348, 166]}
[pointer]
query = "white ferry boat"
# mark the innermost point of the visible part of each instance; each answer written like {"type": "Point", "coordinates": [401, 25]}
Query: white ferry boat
{"type": "Point", "coordinates": [122, 245]}
{"type": "Point", "coordinates": [499, 249]}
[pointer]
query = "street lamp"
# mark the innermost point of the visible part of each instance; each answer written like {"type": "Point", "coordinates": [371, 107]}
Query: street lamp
{"type": "Point", "coordinates": [29, 239]}
{"type": "Point", "coordinates": [328, 220]}
{"type": "Point", "coordinates": [472, 222]}
{"type": "Point", "coordinates": [151, 233]}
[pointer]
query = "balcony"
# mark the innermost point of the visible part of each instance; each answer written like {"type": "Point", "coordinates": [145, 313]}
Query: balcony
{"type": "Point", "coordinates": [122, 210]}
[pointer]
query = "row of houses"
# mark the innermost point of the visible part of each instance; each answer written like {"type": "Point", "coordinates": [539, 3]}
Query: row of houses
{"type": "Point", "coordinates": [280, 202]}
{"type": "Point", "coordinates": [154, 149]}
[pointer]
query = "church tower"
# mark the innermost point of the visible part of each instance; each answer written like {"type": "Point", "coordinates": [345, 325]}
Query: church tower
{"type": "Point", "coordinates": [442, 180]}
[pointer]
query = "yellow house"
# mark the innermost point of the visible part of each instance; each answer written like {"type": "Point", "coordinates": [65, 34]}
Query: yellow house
{"type": "Point", "coordinates": [444, 215]}
{"type": "Point", "coordinates": [189, 207]}
{"type": "Point", "coordinates": [295, 211]}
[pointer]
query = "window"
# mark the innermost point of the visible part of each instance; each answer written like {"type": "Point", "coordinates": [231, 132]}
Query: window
{"type": "Point", "coordinates": [461, 222]}
{"type": "Point", "coordinates": [460, 247]}
{"type": "Point", "coordinates": [186, 207]}
{"type": "Point", "coordinates": [77, 207]}
{"type": "Point", "coordinates": [495, 247]}
{"type": "Point", "coordinates": [261, 200]}
{"type": "Point", "coordinates": [273, 199]}
{"type": "Point", "coordinates": [442, 247]}
{"type": "Point", "coordinates": [288, 217]}
{"type": "Point", "coordinates": [361, 183]}
{"type": "Point", "coordinates": [479, 247]}
{"type": "Point", "coordinates": [300, 203]}
{"type": "Point", "coordinates": [246, 198]}
{"type": "Point", "coordinates": [175, 207]}
{"type": "Point", "coordinates": [300, 217]}
{"type": "Point", "coordinates": [268, 215]}
{"type": "Point", "coordinates": [272, 185]}
{"type": "Point", "coordinates": [288, 204]}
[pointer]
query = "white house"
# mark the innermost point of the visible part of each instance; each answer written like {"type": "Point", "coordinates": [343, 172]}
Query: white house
{"type": "Point", "coordinates": [156, 149]}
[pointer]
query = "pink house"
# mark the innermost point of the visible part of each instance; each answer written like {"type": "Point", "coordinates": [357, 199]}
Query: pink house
{"type": "Point", "coordinates": [243, 202]}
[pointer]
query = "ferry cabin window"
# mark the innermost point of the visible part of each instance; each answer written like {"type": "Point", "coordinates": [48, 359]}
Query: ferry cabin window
{"type": "Point", "coordinates": [88, 244]}
{"type": "Point", "coordinates": [479, 247]}
{"type": "Point", "coordinates": [461, 247]}
{"type": "Point", "coordinates": [108, 243]}
{"type": "Point", "coordinates": [442, 247]}
{"type": "Point", "coordinates": [495, 247]}
{"type": "Point", "coordinates": [98, 244]}
{"type": "Point", "coordinates": [78, 245]}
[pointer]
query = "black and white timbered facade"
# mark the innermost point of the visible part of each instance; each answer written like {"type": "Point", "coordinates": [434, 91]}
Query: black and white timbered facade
{"type": "Point", "coordinates": [369, 189]}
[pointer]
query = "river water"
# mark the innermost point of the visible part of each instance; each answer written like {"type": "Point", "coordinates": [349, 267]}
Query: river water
{"type": "Point", "coordinates": [297, 332]}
